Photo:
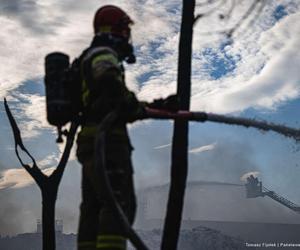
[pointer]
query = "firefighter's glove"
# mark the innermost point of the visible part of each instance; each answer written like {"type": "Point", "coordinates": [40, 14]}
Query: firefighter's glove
{"type": "Point", "coordinates": [129, 104]}
{"type": "Point", "coordinates": [131, 109]}
{"type": "Point", "coordinates": [170, 103]}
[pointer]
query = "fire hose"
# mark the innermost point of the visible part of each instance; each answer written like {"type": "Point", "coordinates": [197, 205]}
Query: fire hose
{"type": "Point", "coordinates": [100, 164]}
{"type": "Point", "coordinates": [230, 120]}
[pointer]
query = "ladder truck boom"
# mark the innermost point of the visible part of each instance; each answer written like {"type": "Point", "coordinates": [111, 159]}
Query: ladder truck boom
{"type": "Point", "coordinates": [254, 188]}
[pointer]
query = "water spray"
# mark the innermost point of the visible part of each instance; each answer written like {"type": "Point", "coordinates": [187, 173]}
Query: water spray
{"type": "Point", "coordinates": [230, 120]}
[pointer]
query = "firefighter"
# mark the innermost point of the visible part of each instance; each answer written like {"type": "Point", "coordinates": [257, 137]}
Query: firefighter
{"type": "Point", "coordinates": [103, 90]}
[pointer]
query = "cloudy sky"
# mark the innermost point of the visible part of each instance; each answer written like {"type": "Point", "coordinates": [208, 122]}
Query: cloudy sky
{"type": "Point", "coordinates": [256, 74]}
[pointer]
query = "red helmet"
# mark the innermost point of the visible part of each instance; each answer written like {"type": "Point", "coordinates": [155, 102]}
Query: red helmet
{"type": "Point", "coordinates": [111, 19]}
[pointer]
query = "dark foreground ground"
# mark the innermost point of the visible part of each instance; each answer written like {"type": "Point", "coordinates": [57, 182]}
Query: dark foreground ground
{"type": "Point", "coordinates": [205, 235]}
{"type": "Point", "coordinates": [196, 239]}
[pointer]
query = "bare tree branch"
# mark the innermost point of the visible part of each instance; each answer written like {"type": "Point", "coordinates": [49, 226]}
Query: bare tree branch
{"type": "Point", "coordinates": [34, 171]}
{"type": "Point", "coordinates": [209, 12]}
{"type": "Point", "coordinates": [228, 15]}
{"type": "Point", "coordinates": [206, 3]}
{"type": "Point", "coordinates": [257, 14]}
{"type": "Point", "coordinates": [48, 185]}
{"type": "Point", "coordinates": [58, 172]}
{"type": "Point", "coordinates": [245, 17]}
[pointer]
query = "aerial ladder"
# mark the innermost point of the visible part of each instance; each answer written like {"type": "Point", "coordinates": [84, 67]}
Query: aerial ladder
{"type": "Point", "coordinates": [254, 188]}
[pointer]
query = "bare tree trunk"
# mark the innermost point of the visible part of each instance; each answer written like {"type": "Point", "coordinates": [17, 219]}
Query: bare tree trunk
{"type": "Point", "coordinates": [179, 168]}
{"type": "Point", "coordinates": [47, 184]}
{"type": "Point", "coordinates": [48, 221]}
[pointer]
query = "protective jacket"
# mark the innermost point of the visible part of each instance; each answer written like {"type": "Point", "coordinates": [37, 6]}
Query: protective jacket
{"type": "Point", "coordinates": [103, 90]}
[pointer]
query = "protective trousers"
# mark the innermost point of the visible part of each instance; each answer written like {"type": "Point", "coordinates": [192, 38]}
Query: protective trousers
{"type": "Point", "coordinates": [98, 226]}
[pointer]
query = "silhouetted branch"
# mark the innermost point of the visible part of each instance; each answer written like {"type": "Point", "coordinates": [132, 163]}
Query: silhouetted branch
{"type": "Point", "coordinates": [34, 171]}
{"type": "Point", "coordinates": [211, 11]}
{"type": "Point", "coordinates": [255, 17]}
{"type": "Point", "coordinates": [207, 3]}
{"type": "Point", "coordinates": [228, 15]}
{"type": "Point", "coordinates": [58, 172]}
{"type": "Point", "coordinates": [48, 185]}
{"type": "Point", "coordinates": [245, 17]}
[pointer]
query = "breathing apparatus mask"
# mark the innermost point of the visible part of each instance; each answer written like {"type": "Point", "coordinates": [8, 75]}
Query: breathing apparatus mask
{"type": "Point", "coordinates": [122, 45]}
{"type": "Point", "coordinates": [127, 49]}
{"type": "Point", "coordinates": [129, 52]}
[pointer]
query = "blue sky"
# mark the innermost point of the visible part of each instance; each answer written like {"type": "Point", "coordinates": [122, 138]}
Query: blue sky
{"type": "Point", "coordinates": [256, 75]}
